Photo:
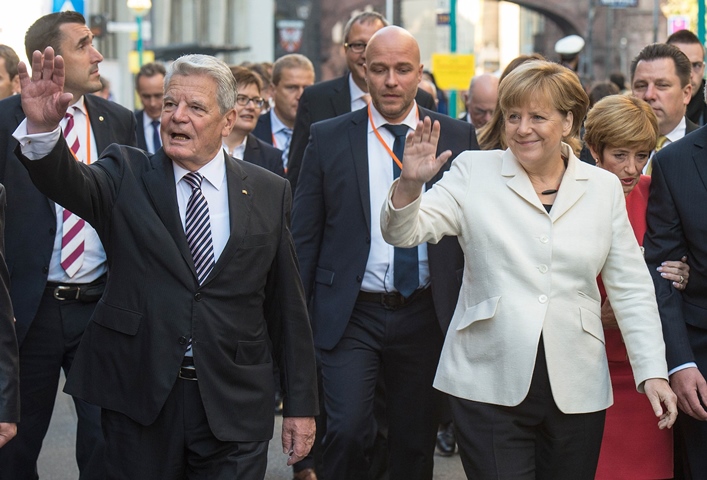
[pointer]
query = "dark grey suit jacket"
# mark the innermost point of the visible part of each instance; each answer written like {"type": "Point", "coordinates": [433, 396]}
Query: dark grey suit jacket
{"type": "Point", "coordinates": [677, 226]}
{"type": "Point", "coordinates": [260, 153]}
{"type": "Point", "coordinates": [249, 310]}
{"type": "Point", "coordinates": [9, 357]}
{"type": "Point", "coordinates": [332, 227]}
{"type": "Point", "coordinates": [31, 217]}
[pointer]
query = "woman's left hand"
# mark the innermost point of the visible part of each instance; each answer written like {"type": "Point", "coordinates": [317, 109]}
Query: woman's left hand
{"type": "Point", "coordinates": [677, 272]}
{"type": "Point", "coordinates": [660, 394]}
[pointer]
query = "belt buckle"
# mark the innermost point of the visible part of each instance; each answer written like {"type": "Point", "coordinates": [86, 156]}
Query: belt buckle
{"type": "Point", "coordinates": [392, 301]}
{"type": "Point", "coordinates": [189, 368]}
{"type": "Point", "coordinates": [61, 288]}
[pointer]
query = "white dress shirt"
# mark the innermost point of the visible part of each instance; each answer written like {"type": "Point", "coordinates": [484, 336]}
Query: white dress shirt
{"type": "Point", "coordinates": [358, 100]}
{"type": "Point", "coordinates": [379, 273]}
{"type": "Point", "coordinates": [37, 146]}
{"type": "Point", "coordinates": [676, 134]}
{"type": "Point", "coordinates": [280, 138]}
{"type": "Point", "coordinates": [238, 151]}
{"type": "Point", "coordinates": [149, 131]}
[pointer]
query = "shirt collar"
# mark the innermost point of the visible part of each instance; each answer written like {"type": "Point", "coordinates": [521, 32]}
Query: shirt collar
{"type": "Point", "coordinates": [277, 124]}
{"type": "Point", "coordinates": [678, 132]}
{"type": "Point", "coordinates": [79, 105]}
{"type": "Point", "coordinates": [147, 120]}
{"type": "Point", "coordinates": [214, 171]}
{"type": "Point", "coordinates": [241, 145]}
{"type": "Point", "coordinates": [410, 120]}
{"type": "Point", "coordinates": [355, 91]}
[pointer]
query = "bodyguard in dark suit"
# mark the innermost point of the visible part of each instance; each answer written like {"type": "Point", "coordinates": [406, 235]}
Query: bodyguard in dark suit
{"type": "Point", "coordinates": [291, 74]}
{"type": "Point", "coordinates": [149, 85]}
{"type": "Point", "coordinates": [363, 325]}
{"type": "Point", "coordinates": [677, 224]}
{"type": "Point", "coordinates": [53, 304]}
{"type": "Point", "coordinates": [9, 359]}
{"type": "Point", "coordinates": [260, 153]}
{"type": "Point", "coordinates": [341, 95]}
{"type": "Point", "coordinates": [203, 290]}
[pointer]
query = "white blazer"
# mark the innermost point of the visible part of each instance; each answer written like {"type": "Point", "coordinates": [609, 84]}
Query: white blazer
{"type": "Point", "coordinates": [528, 272]}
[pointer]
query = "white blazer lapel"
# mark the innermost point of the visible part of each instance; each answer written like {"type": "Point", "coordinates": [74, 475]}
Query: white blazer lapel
{"type": "Point", "coordinates": [518, 180]}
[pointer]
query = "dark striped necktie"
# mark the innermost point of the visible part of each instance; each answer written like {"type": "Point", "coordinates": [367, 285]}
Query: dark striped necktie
{"type": "Point", "coordinates": [198, 227]}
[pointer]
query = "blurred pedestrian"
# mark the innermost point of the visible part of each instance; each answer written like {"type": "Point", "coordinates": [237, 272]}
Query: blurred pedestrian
{"type": "Point", "coordinates": [9, 81]}
{"type": "Point", "coordinates": [690, 45]}
{"type": "Point", "coordinates": [149, 85]}
{"type": "Point", "coordinates": [481, 99]}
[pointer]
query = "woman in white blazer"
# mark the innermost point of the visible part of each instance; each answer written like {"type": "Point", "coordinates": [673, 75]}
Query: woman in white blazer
{"type": "Point", "coordinates": [524, 357]}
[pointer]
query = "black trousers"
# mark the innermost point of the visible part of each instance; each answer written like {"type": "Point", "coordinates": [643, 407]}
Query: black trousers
{"type": "Point", "coordinates": [50, 345]}
{"type": "Point", "coordinates": [401, 346]}
{"type": "Point", "coordinates": [178, 445]}
{"type": "Point", "coordinates": [533, 440]}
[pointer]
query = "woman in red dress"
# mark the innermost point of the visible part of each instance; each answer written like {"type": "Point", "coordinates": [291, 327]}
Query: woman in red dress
{"type": "Point", "coordinates": [621, 131]}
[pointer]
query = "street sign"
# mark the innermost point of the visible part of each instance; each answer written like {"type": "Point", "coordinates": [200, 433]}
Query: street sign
{"type": "Point", "coordinates": [68, 6]}
{"type": "Point", "coordinates": [618, 3]}
{"type": "Point", "coordinates": [453, 71]}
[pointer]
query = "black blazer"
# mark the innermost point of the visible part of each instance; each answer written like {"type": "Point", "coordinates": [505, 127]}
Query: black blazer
{"type": "Point", "coordinates": [249, 310]}
{"type": "Point", "coordinates": [263, 129]}
{"type": "Point", "coordinates": [331, 223]}
{"type": "Point", "coordinates": [677, 226]}
{"type": "Point", "coordinates": [260, 153]}
{"type": "Point", "coordinates": [31, 219]}
{"type": "Point", "coordinates": [320, 102]}
{"type": "Point", "coordinates": [9, 357]}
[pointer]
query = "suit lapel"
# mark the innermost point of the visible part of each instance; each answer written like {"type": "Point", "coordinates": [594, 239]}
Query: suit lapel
{"type": "Point", "coordinates": [358, 146]}
{"type": "Point", "coordinates": [160, 185]}
{"type": "Point", "coordinates": [574, 185]}
{"type": "Point", "coordinates": [698, 156]}
{"type": "Point", "coordinates": [341, 100]}
{"type": "Point", "coordinates": [240, 195]}
{"type": "Point", "coordinates": [518, 180]}
{"type": "Point", "coordinates": [99, 124]}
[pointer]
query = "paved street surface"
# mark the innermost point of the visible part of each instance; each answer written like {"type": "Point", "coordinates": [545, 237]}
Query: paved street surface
{"type": "Point", "coordinates": [57, 459]}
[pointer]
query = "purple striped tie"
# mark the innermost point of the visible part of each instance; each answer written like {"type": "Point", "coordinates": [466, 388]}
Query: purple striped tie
{"type": "Point", "coordinates": [198, 227]}
{"type": "Point", "coordinates": [73, 235]}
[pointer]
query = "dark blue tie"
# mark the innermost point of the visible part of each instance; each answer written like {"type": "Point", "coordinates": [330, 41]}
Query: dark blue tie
{"type": "Point", "coordinates": [156, 141]}
{"type": "Point", "coordinates": [406, 271]}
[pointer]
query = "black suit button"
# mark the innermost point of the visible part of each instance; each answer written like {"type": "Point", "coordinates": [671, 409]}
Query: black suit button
{"type": "Point", "coordinates": [52, 232]}
{"type": "Point", "coordinates": [197, 296]}
{"type": "Point", "coordinates": [45, 269]}
{"type": "Point", "coordinates": [359, 278]}
{"type": "Point", "coordinates": [368, 240]}
{"type": "Point", "coordinates": [182, 340]}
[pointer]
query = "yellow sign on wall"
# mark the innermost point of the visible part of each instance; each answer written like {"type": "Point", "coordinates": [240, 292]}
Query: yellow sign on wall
{"type": "Point", "coordinates": [133, 63]}
{"type": "Point", "coordinates": [453, 71]}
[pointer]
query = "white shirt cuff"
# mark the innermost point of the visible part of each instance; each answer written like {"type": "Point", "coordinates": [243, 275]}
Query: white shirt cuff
{"type": "Point", "coordinates": [682, 367]}
{"type": "Point", "coordinates": [37, 145]}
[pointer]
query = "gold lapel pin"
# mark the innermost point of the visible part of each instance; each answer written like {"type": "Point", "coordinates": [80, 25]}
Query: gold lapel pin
{"type": "Point", "coordinates": [244, 192]}
{"type": "Point", "coordinates": [100, 118]}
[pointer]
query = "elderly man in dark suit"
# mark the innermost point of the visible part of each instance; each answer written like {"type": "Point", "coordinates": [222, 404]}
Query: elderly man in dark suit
{"type": "Point", "coordinates": [677, 224]}
{"type": "Point", "coordinates": [341, 95]}
{"type": "Point", "coordinates": [375, 311]}
{"type": "Point", "coordinates": [56, 261]}
{"type": "Point", "coordinates": [9, 362]}
{"type": "Point", "coordinates": [203, 291]}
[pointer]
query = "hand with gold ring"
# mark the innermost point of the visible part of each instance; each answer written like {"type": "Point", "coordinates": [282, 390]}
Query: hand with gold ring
{"type": "Point", "coordinates": [677, 272]}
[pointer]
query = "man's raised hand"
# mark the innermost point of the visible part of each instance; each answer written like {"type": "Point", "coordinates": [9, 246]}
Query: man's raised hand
{"type": "Point", "coordinates": [43, 98]}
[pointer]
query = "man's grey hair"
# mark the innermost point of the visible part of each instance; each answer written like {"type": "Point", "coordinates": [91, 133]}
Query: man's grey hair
{"type": "Point", "coordinates": [363, 18]}
{"type": "Point", "coordinates": [226, 91]}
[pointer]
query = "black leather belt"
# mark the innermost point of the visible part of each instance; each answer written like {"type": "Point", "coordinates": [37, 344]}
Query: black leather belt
{"type": "Point", "coordinates": [187, 371]}
{"type": "Point", "coordinates": [392, 300]}
{"type": "Point", "coordinates": [83, 292]}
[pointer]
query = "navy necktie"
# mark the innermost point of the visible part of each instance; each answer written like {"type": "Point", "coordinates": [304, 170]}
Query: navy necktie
{"type": "Point", "coordinates": [406, 271]}
{"type": "Point", "coordinates": [156, 141]}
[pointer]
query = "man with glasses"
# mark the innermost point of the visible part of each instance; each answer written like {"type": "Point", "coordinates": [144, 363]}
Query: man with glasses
{"type": "Point", "coordinates": [481, 99]}
{"type": "Point", "coordinates": [341, 95]}
{"type": "Point", "coordinates": [690, 45]}
{"type": "Point", "coordinates": [149, 84]}
{"type": "Point", "coordinates": [241, 143]}
{"type": "Point", "coordinates": [291, 74]}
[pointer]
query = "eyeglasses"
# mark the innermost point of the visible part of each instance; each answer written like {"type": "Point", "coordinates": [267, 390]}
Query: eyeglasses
{"type": "Point", "coordinates": [697, 66]}
{"type": "Point", "coordinates": [242, 100]}
{"type": "Point", "coordinates": [356, 47]}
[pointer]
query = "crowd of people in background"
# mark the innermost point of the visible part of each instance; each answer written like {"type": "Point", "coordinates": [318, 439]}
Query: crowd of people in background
{"type": "Point", "coordinates": [525, 284]}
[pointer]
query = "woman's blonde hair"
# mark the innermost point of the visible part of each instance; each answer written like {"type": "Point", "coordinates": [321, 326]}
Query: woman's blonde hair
{"type": "Point", "coordinates": [621, 121]}
{"type": "Point", "coordinates": [490, 136]}
{"type": "Point", "coordinates": [546, 81]}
